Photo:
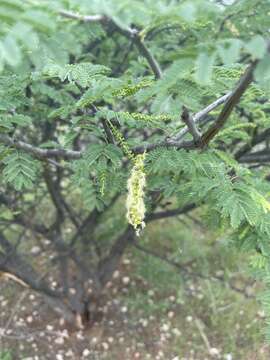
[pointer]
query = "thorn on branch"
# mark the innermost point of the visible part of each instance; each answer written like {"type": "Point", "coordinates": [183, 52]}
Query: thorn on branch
{"type": "Point", "coordinates": [189, 121]}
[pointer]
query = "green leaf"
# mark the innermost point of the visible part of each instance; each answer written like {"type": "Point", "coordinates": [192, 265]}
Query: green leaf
{"type": "Point", "coordinates": [93, 152]}
{"type": "Point", "coordinates": [229, 51]}
{"type": "Point", "coordinates": [40, 20]}
{"type": "Point", "coordinates": [26, 34]}
{"type": "Point", "coordinates": [256, 47]}
{"type": "Point", "coordinates": [113, 153]}
{"type": "Point", "coordinates": [5, 124]}
{"type": "Point", "coordinates": [188, 11]}
{"type": "Point", "coordinates": [20, 170]}
{"type": "Point", "coordinates": [204, 68]}
{"type": "Point", "coordinates": [10, 51]}
{"type": "Point", "coordinates": [262, 71]}
{"type": "Point", "coordinates": [236, 215]}
{"type": "Point", "coordinates": [82, 73]}
{"type": "Point", "coordinates": [21, 120]}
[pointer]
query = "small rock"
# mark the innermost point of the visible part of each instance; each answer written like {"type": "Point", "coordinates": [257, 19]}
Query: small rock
{"type": "Point", "coordinates": [29, 319]}
{"type": "Point", "coordinates": [170, 314]}
{"type": "Point", "coordinates": [35, 250]}
{"type": "Point", "coordinates": [214, 352]}
{"type": "Point", "coordinates": [116, 274]}
{"type": "Point", "coordinates": [176, 332]}
{"type": "Point", "coordinates": [86, 352]}
{"type": "Point", "coordinates": [59, 341]}
{"type": "Point", "coordinates": [69, 353]}
{"type": "Point", "coordinates": [165, 327]}
{"type": "Point", "coordinates": [126, 261]}
{"type": "Point", "coordinates": [125, 280]}
{"type": "Point", "coordinates": [105, 346]}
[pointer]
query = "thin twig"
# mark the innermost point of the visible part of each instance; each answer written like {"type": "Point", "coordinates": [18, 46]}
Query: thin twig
{"type": "Point", "coordinates": [14, 311]}
{"type": "Point", "coordinates": [84, 18]}
{"type": "Point", "coordinates": [203, 335]}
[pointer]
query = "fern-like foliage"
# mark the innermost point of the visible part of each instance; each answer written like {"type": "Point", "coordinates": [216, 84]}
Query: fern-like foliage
{"type": "Point", "coordinates": [20, 170]}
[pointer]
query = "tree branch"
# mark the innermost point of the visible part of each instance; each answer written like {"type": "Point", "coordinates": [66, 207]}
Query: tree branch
{"type": "Point", "coordinates": [84, 18]}
{"type": "Point", "coordinates": [108, 265]}
{"type": "Point", "coordinates": [229, 105]}
{"type": "Point", "coordinates": [257, 139]}
{"type": "Point", "coordinates": [129, 33]}
{"type": "Point", "coordinates": [256, 157]}
{"type": "Point", "coordinates": [40, 153]}
{"type": "Point", "coordinates": [170, 213]}
{"type": "Point", "coordinates": [201, 115]}
{"type": "Point", "coordinates": [107, 131]}
{"type": "Point", "coordinates": [231, 100]}
{"type": "Point", "coordinates": [184, 268]}
{"type": "Point", "coordinates": [12, 263]}
{"type": "Point", "coordinates": [145, 52]}
{"type": "Point", "coordinates": [189, 121]}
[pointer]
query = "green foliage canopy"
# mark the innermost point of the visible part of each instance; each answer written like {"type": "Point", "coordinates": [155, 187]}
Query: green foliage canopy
{"type": "Point", "coordinates": [85, 86]}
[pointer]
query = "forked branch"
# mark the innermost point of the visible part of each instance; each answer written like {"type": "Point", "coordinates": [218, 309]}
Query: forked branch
{"type": "Point", "coordinates": [130, 33]}
{"type": "Point", "coordinates": [230, 103]}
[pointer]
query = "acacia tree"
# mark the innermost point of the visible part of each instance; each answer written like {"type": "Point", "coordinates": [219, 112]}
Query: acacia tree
{"type": "Point", "coordinates": [145, 108]}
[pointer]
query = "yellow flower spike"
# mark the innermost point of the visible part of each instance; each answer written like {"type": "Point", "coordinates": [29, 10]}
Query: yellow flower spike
{"type": "Point", "coordinates": [135, 198]}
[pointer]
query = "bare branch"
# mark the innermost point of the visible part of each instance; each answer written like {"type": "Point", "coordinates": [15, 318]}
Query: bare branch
{"type": "Point", "coordinates": [40, 153]}
{"type": "Point", "coordinates": [15, 265]}
{"type": "Point", "coordinates": [145, 52]}
{"type": "Point", "coordinates": [128, 32]}
{"type": "Point", "coordinates": [54, 191]}
{"type": "Point", "coordinates": [256, 157]}
{"type": "Point", "coordinates": [231, 102]}
{"type": "Point", "coordinates": [188, 120]}
{"type": "Point", "coordinates": [84, 18]}
{"type": "Point", "coordinates": [108, 131]}
{"type": "Point", "coordinates": [257, 139]}
{"type": "Point", "coordinates": [170, 213]}
{"type": "Point", "coordinates": [108, 265]}
{"type": "Point", "coordinates": [184, 269]}
{"type": "Point", "coordinates": [188, 145]}
{"type": "Point", "coordinates": [201, 115]}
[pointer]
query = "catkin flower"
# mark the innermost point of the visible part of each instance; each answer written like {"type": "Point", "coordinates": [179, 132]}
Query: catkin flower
{"type": "Point", "coordinates": [135, 198]}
